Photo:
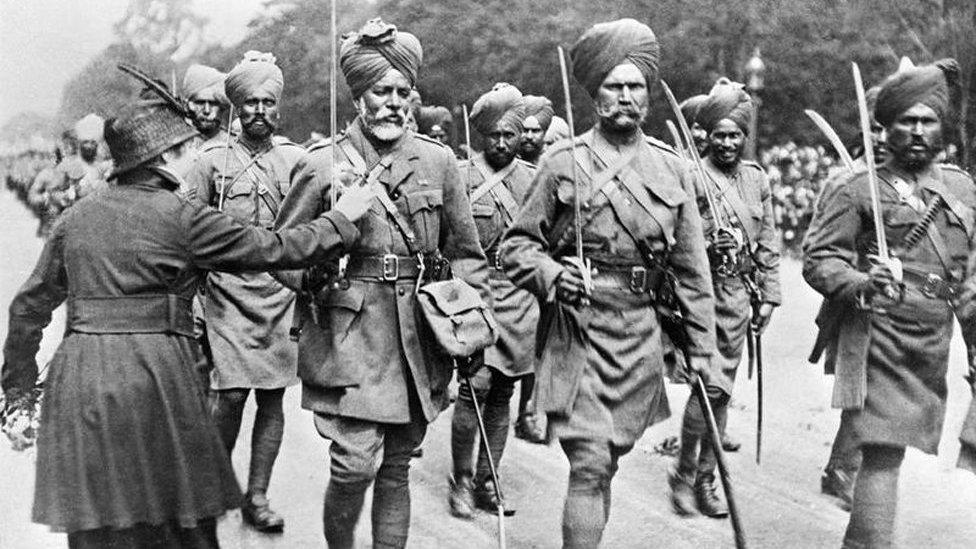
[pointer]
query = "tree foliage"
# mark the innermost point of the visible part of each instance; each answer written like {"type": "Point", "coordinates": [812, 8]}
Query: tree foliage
{"type": "Point", "coordinates": [807, 46]}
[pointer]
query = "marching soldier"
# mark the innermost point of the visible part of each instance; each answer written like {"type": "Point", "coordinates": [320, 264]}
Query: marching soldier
{"type": "Point", "coordinates": [248, 314]}
{"type": "Point", "coordinates": [499, 183]}
{"type": "Point", "coordinates": [203, 88]}
{"type": "Point", "coordinates": [538, 117]}
{"type": "Point", "coordinates": [894, 316]}
{"type": "Point", "coordinates": [370, 371]}
{"type": "Point", "coordinates": [600, 376]}
{"type": "Point", "coordinates": [744, 255]}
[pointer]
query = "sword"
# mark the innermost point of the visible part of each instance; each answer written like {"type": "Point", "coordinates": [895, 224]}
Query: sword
{"type": "Point", "coordinates": [862, 108]}
{"type": "Point", "coordinates": [675, 137]}
{"type": "Point", "coordinates": [583, 263]}
{"type": "Point", "coordinates": [831, 136]}
{"type": "Point", "coordinates": [759, 398]}
{"type": "Point", "coordinates": [333, 191]}
{"type": "Point", "coordinates": [223, 174]}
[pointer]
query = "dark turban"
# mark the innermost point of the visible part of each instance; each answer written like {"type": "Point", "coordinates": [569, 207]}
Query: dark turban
{"type": "Point", "coordinates": [928, 85]}
{"type": "Point", "coordinates": [431, 116]}
{"type": "Point", "coordinates": [502, 104]}
{"type": "Point", "coordinates": [201, 78]}
{"type": "Point", "coordinates": [366, 56]}
{"type": "Point", "coordinates": [689, 108]}
{"type": "Point", "coordinates": [726, 100]}
{"type": "Point", "coordinates": [256, 72]}
{"type": "Point", "coordinates": [606, 45]}
{"type": "Point", "coordinates": [540, 108]}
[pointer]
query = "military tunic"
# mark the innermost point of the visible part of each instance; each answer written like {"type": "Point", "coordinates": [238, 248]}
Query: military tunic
{"type": "Point", "coordinates": [744, 200]}
{"type": "Point", "coordinates": [891, 362]}
{"type": "Point", "coordinates": [126, 435]}
{"type": "Point", "coordinates": [247, 314]}
{"type": "Point", "coordinates": [600, 375]}
{"type": "Point", "coordinates": [515, 309]}
{"type": "Point", "coordinates": [369, 354]}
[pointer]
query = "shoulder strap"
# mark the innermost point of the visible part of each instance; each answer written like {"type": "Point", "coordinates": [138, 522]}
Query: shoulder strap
{"type": "Point", "coordinates": [730, 195]}
{"type": "Point", "coordinates": [373, 181]}
{"type": "Point", "coordinates": [493, 184]}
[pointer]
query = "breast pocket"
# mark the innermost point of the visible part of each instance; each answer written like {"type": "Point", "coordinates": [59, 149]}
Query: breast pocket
{"type": "Point", "coordinates": [663, 207]}
{"type": "Point", "coordinates": [424, 208]}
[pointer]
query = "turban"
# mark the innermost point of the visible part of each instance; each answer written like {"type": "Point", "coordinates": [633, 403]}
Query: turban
{"type": "Point", "coordinates": [90, 128]}
{"type": "Point", "coordinates": [200, 79]}
{"type": "Point", "coordinates": [726, 100]}
{"type": "Point", "coordinates": [366, 56]}
{"type": "Point", "coordinates": [540, 108]}
{"type": "Point", "coordinates": [558, 129]}
{"type": "Point", "coordinates": [256, 72]}
{"type": "Point", "coordinates": [606, 45]}
{"type": "Point", "coordinates": [502, 104]}
{"type": "Point", "coordinates": [928, 85]}
{"type": "Point", "coordinates": [431, 116]}
{"type": "Point", "coordinates": [689, 108]}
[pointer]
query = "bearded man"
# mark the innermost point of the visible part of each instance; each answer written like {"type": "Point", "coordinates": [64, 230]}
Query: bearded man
{"type": "Point", "coordinates": [371, 371]}
{"type": "Point", "coordinates": [499, 183]}
{"type": "Point", "coordinates": [248, 314]}
{"type": "Point", "coordinates": [743, 253]}
{"type": "Point", "coordinates": [538, 117]}
{"type": "Point", "coordinates": [895, 330]}
{"type": "Point", "coordinates": [600, 376]}
{"type": "Point", "coordinates": [203, 88]}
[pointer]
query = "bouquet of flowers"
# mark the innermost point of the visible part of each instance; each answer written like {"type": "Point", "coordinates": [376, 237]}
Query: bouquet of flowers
{"type": "Point", "coordinates": [20, 418]}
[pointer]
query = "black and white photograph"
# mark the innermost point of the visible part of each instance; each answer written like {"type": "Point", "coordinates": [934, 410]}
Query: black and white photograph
{"type": "Point", "coordinates": [477, 274]}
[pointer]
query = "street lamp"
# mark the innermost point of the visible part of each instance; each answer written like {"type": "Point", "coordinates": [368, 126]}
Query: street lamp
{"type": "Point", "coordinates": [755, 72]}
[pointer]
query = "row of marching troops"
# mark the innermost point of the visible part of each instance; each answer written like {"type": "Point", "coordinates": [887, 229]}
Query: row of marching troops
{"type": "Point", "coordinates": [606, 260]}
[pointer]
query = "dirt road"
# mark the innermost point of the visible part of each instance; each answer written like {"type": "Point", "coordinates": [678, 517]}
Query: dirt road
{"type": "Point", "coordinates": [781, 501]}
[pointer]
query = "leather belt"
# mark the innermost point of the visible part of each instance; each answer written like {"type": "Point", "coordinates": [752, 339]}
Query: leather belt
{"type": "Point", "coordinates": [144, 314]}
{"type": "Point", "coordinates": [387, 268]}
{"type": "Point", "coordinates": [930, 285]}
{"type": "Point", "coordinates": [638, 279]}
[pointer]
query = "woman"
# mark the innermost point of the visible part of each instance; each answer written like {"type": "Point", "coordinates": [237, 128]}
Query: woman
{"type": "Point", "coordinates": [128, 455]}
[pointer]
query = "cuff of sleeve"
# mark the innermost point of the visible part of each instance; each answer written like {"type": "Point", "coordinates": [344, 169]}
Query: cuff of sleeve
{"type": "Point", "coordinates": [347, 230]}
{"type": "Point", "coordinates": [548, 275]}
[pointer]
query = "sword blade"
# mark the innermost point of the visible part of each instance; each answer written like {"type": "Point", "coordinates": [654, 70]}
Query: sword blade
{"type": "Point", "coordinates": [759, 399]}
{"type": "Point", "coordinates": [832, 137]}
{"type": "Point", "coordinates": [862, 109]}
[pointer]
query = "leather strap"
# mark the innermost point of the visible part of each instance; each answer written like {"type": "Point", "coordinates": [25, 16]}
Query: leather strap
{"type": "Point", "coordinates": [494, 184]}
{"type": "Point", "coordinates": [730, 196]}
{"type": "Point", "coordinates": [145, 314]}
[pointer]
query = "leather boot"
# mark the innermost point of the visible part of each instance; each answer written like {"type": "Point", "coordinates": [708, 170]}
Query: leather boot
{"type": "Point", "coordinates": [257, 512]}
{"type": "Point", "coordinates": [840, 484]}
{"type": "Point", "coordinates": [682, 494]}
{"type": "Point", "coordinates": [460, 498]}
{"type": "Point", "coordinates": [709, 502]}
{"type": "Point", "coordinates": [486, 499]}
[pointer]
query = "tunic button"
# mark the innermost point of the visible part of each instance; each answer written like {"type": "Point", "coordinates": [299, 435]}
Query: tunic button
{"type": "Point", "coordinates": [401, 291]}
{"type": "Point", "coordinates": [395, 195]}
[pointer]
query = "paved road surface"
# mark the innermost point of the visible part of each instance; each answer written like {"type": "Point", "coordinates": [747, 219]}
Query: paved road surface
{"type": "Point", "coordinates": [781, 501]}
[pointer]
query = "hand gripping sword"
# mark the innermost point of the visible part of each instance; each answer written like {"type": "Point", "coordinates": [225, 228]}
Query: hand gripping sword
{"type": "Point", "coordinates": [582, 263]}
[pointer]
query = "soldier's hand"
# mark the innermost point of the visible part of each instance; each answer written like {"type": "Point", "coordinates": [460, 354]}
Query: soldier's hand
{"type": "Point", "coordinates": [761, 318]}
{"type": "Point", "coordinates": [882, 277]}
{"type": "Point", "coordinates": [355, 201]}
{"type": "Point", "coordinates": [571, 287]}
{"type": "Point", "coordinates": [469, 366]}
{"type": "Point", "coordinates": [698, 364]}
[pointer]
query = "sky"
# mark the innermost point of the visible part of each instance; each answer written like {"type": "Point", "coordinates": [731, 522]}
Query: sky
{"type": "Point", "coordinates": [43, 43]}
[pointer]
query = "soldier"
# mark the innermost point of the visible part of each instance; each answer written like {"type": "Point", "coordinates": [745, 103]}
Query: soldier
{"type": "Point", "coordinates": [248, 314]}
{"type": "Point", "coordinates": [689, 110]}
{"type": "Point", "coordinates": [435, 122]}
{"type": "Point", "coordinates": [370, 371]}
{"type": "Point", "coordinates": [600, 376]}
{"type": "Point", "coordinates": [128, 456]}
{"type": "Point", "coordinates": [895, 316]}
{"type": "Point", "coordinates": [203, 88]}
{"type": "Point", "coordinates": [744, 258]}
{"type": "Point", "coordinates": [499, 183]}
{"type": "Point", "coordinates": [538, 117]}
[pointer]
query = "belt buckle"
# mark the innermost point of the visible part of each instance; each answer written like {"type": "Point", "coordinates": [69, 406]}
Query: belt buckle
{"type": "Point", "coordinates": [931, 285]}
{"type": "Point", "coordinates": [391, 267]}
{"type": "Point", "coordinates": [638, 279]}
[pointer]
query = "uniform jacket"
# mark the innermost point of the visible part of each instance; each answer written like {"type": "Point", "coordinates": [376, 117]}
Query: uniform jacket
{"type": "Point", "coordinates": [248, 314]}
{"type": "Point", "coordinates": [751, 186]}
{"type": "Point", "coordinates": [515, 309]}
{"type": "Point", "coordinates": [625, 347]}
{"type": "Point", "coordinates": [835, 258]}
{"type": "Point", "coordinates": [369, 349]}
